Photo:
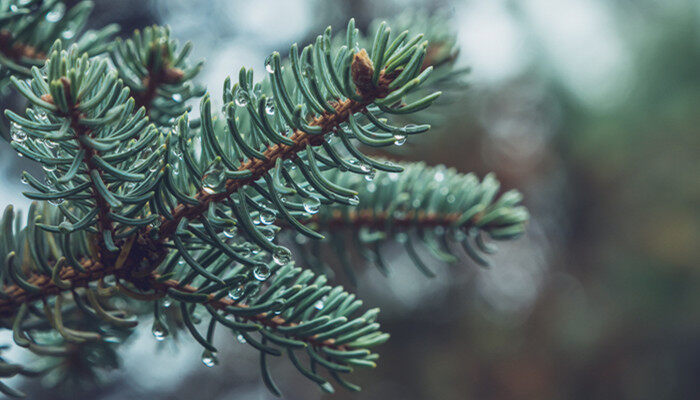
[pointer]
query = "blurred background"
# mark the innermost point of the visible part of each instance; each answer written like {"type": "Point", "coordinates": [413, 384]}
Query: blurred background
{"type": "Point", "coordinates": [592, 109]}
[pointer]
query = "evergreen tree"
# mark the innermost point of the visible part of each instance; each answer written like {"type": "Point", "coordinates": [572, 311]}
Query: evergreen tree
{"type": "Point", "coordinates": [182, 218]}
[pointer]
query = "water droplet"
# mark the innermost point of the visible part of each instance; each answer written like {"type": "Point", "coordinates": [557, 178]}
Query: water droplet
{"type": "Point", "coordinates": [209, 358]}
{"type": "Point", "coordinates": [269, 233]}
{"type": "Point", "coordinates": [177, 97]}
{"type": "Point", "coordinates": [17, 133]}
{"type": "Point", "coordinates": [451, 198]}
{"type": "Point", "coordinates": [312, 205]}
{"type": "Point", "coordinates": [65, 227]}
{"type": "Point", "coordinates": [371, 187]}
{"type": "Point", "coordinates": [230, 232]}
{"type": "Point", "coordinates": [270, 106]}
{"type": "Point", "coordinates": [364, 167]}
{"type": "Point", "coordinates": [370, 175]}
{"type": "Point", "coordinates": [393, 176]}
{"type": "Point", "coordinates": [282, 256]}
{"type": "Point", "coordinates": [160, 332]}
{"type": "Point", "coordinates": [55, 14]}
{"type": "Point", "coordinates": [354, 200]}
{"type": "Point", "coordinates": [24, 180]}
{"type": "Point", "coordinates": [176, 169]}
{"type": "Point", "coordinates": [399, 140]}
{"type": "Point", "coordinates": [155, 167]}
{"type": "Point", "coordinates": [261, 272]}
{"type": "Point", "coordinates": [240, 338]}
{"type": "Point", "coordinates": [401, 237]}
{"type": "Point", "coordinates": [241, 98]}
{"type": "Point", "coordinates": [268, 64]}
{"type": "Point", "coordinates": [267, 217]}
{"type": "Point", "coordinates": [236, 293]}
{"type": "Point", "coordinates": [320, 303]}
{"type": "Point", "coordinates": [213, 178]}
{"type": "Point", "coordinates": [167, 302]}
{"type": "Point", "coordinates": [50, 144]}
{"type": "Point", "coordinates": [68, 34]}
{"type": "Point", "coordinates": [56, 202]}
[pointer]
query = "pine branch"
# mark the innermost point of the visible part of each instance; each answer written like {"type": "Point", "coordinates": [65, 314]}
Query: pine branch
{"type": "Point", "coordinates": [71, 278]}
{"type": "Point", "coordinates": [29, 28]}
{"type": "Point", "coordinates": [295, 311]}
{"type": "Point", "coordinates": [158, 74]}
{"type": "Point", "coordinates": [101, 164]}
{"type": "Point", "coordinates": [327, 122]}
{"type": "Point", "coordinates": [188, 217]}
{"type": "Point", "coordinates": [435, 205]}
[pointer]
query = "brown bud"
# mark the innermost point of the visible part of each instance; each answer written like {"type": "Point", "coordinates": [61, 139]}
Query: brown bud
{"type": "Point", "coordinates": [362, 71]}
{"type": "Point", "coordinates": [173, 75]}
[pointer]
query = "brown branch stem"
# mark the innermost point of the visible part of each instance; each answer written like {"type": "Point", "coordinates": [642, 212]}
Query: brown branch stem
{"type": "Point", "coordinates": [15, 50]}
{"type": "Point", "coordinates": [16, 295]}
